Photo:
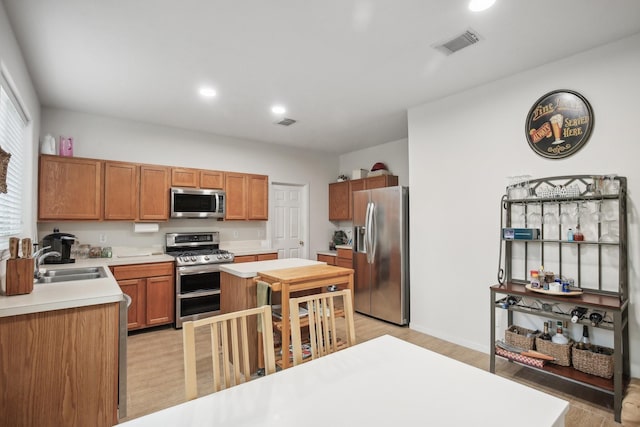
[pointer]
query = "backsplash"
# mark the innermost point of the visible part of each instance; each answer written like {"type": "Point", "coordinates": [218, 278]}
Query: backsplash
{"type": "Point", "coordinates": [122, 233]}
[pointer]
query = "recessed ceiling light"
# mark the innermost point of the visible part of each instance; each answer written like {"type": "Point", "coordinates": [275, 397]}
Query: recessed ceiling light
{"type": "Point", "coordinates": [480, 5]}
{"type": "Point", "coordinates": [278, 109]}
{"type": "Point", "coordinates": [207, 92]}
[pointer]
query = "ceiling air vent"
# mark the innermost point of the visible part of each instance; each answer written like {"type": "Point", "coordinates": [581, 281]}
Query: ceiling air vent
{"type": "Point", "coordinates": [285, 122]}
{"type": "Point", "coordinates": [465, 39]}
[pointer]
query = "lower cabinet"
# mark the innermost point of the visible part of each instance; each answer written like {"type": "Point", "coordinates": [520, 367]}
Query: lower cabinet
{"type": "Point", "coordinates": [329, 259]}
{"type": "Point", "coordinates": [152, 291]}
{"type": "Point", "coordinates": [258, 257]}
{"type": "Point", "coordinates": [344, 258]}
{"type": "Point", "coordinates": [60, 367]}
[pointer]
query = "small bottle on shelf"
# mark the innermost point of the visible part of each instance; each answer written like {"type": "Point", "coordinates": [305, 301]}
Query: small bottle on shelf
{"type": "Point", "coordinates": [534, 279]}
{"type": "Point", "coordinates": [545, 333]}
{"type": "Point", "coordinates": [559, 337]}
{"type": "Point", "coordinates": [577, 235]}
{"type": "Point", "coordinates": [570, 235]}
{"type": "Point", "coordinates": [585, 337]}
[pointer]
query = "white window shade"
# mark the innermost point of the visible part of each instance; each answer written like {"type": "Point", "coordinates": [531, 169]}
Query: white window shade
{"type": "Point", "coordinates": [12, 140]}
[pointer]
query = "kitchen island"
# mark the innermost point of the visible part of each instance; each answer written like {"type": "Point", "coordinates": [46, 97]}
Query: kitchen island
{"type": "Point", "coordinates": [238, 290]}
{"type": "Point", "coordinates": [62, 349]}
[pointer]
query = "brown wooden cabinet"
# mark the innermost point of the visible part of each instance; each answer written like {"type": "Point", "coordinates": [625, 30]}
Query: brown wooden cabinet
{"type": "Point", "coordinates": [340, 194]}
{"type": "Point", "coordinates": [60, 367]}
{"type": "Point", "coordinates": [197, 178]}
{"type": "Point", "coordinates": [247, 196]}
{"type": "Point", "coordinates": [344, 258]}
{"type": "Point", "coordinates": [329, 259]}
{"type": "Point", "coordinates": [154, 193]}
{"type": "Point", "coordinates": [70, 188]}
{"type": "Point", "coordinates": [257, 257]}
{"type": "Point", "coordinates": [152, 291]}
{"type": "Point", "coordinates": [183, 177]}
{"type": "Point", "coordinates": [121, 185]}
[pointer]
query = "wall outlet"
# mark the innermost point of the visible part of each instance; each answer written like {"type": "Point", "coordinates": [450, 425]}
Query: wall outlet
{"type": "Point", "coordinates": [235, 233]}
{"type": "Point", "coordinates": [103, 238]}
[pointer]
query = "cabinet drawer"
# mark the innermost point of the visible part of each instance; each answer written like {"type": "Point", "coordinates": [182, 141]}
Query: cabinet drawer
{"type": "Point", "coordinates": [329, 259]}
{"type": "Point", "coordinates": [266, 257]}
{"type": "Point", "coordinates": [135, 271]}
{"type": "Point", "coordinates": [345, 253]}
{"type": "Point", "coordinates": [244, 258]}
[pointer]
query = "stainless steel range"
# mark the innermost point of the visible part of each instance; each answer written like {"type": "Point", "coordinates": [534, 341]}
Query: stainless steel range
{"type": "Point", "coordinates": [198, 258]}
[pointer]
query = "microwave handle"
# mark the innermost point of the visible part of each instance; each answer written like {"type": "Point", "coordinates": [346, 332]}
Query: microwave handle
{"type": "Point", "coordinates": [217, 202]}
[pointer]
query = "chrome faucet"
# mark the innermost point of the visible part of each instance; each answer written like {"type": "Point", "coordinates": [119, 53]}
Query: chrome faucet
{"type": "Point", "coordinates": [39, 258]}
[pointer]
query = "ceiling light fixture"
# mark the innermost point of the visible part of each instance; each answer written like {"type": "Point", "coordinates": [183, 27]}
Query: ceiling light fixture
{"type": "Point", "coordinates": [480, 5]}
{"type": "Point", "coordinates": [278, 109]}
{"type": "Point", "coordinates": [207, 92]}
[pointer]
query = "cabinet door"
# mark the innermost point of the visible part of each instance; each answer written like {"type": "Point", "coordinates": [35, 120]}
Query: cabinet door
{"type": "Point", "coordinates": [182, 177]}
{"type": "Point", "coordinates": [212, 179]}
{"type": "Point", "coordinates": [69, 188]}
{"type": "Point", "coordinates": [236, 189]}
{"type": "Point", "coordinates": [258, 197]}
{"type": "Point", "coordinates": [120, 191]}
{"type": "Point", "coordinates": [381, 181]}
{"type": "Point", "coordinates": [135, 289]}
{"type": "Point", "coordinates": [154, 193]}
{"type": "Point", "coordinates": [160, 300]}
{"type": "Point", "coordinates": [244, 258]}
{"type": "Point", "coordinates": [339, 201]}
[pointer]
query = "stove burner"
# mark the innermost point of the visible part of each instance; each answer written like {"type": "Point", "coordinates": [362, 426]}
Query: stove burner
{"type": "Point", "coordinates": [196, 249]}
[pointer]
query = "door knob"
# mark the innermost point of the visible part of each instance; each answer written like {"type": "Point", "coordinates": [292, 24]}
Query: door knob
{"type": "Point", "coordinates": [301, 242]}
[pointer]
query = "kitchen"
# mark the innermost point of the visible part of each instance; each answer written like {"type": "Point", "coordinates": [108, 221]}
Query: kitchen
{"type": "Point", "coordinates": [467, 198]}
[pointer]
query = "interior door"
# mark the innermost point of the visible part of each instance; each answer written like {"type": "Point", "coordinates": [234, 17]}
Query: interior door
{"type": "Point", "coordinates": [289, 228]}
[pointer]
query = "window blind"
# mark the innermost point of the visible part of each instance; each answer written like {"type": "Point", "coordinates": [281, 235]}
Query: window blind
{"type": "Point", "coordinates": [12, 140]}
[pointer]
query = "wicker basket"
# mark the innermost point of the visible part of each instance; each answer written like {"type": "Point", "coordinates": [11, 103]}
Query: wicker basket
{"type": "Point", "coordinates": [561, 352]}
{"type": "Point", "coordinates": [519, 337]}
{"type": "Point", "coordinates": [599, 364]}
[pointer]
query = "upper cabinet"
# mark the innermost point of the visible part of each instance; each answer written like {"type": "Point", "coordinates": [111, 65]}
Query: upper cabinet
{"type": "Point", "coordinates": [121, 183]}
{"type": "Point", "coordinates": [340, 194]}
{"type": "Point", "coordinates": [197, 178]}
{"type": "Point", "coordinates": [74, 188]}
{"type": "Point", "coordinates": [154, 193]}
{"type": "Point", "coordinates": [70, 188]}
{"type": "Point", "coordinates": [247, 196]}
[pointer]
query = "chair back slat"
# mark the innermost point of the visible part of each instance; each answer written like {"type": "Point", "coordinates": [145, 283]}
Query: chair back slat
{"type": "Point", "coordinates": [230, 348]}
{"type": "Point", "coordinates": [325, 334]}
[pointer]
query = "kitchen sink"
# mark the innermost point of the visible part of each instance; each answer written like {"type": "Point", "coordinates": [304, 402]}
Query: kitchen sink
{"type": "Point", "coordinates": [72, 274]}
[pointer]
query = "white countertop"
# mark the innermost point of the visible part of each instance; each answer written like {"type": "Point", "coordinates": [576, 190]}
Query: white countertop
{"type": "Point", "coordinates": [344, 247]}
{"type": "Point", "coordinates": [329, 253]}
{"type": "Point", "coordinates": [381, 382]}
{"type": "Point", "coordinates": [250, 269]}
{"type": "Point", "coordinates": [62, 295]}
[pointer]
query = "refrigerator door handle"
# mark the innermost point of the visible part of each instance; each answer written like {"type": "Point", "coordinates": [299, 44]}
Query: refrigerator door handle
{"type": "Point", "coordinates": [374, 232]}
{"type": "Point", "coordinates": [367, 232]}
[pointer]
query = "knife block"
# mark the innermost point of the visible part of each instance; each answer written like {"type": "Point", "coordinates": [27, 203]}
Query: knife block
{"type": "Point", "coordinates": [19, 276]}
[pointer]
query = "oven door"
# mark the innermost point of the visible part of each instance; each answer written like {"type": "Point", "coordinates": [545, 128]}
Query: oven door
{"type": "Point", "coordinates": [197, 292]}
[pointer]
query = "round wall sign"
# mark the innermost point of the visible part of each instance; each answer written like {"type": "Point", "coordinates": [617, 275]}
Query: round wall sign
{"type": "Point", "coordinates": [559, 124]}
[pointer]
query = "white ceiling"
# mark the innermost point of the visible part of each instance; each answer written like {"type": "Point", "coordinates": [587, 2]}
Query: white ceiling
{"type": "Point", "coordinates": [347, 70]}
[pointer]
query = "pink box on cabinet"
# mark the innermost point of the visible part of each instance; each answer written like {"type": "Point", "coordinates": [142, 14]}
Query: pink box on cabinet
{"type": "Point", "coordinates": [66, 146]}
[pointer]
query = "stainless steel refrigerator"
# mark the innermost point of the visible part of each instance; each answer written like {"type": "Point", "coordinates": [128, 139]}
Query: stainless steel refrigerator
{"type": "Point", "coordinates": [381, 253]}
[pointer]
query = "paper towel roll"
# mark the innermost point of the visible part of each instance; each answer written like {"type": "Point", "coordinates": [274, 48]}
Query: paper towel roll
{"type": "Point", "coordinates": [145, 227]}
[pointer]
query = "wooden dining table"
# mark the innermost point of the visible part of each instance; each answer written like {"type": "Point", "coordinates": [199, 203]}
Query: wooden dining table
{"type": "Point", "coordinates": [290, 280]}
{"type": "Point", "coordinates": [382, 382]}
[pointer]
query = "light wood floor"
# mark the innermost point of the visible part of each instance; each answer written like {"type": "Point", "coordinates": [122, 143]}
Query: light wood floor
{"type": "Point", "coordinates": [156, 377]}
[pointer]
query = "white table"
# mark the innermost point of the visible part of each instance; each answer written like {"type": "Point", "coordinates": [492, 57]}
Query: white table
{"type": "Point", "coordinates": [382, 382]}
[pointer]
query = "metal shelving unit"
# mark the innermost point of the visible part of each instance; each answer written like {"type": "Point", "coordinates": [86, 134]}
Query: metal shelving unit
{"type": "Point", "coordinates": [603, 277]}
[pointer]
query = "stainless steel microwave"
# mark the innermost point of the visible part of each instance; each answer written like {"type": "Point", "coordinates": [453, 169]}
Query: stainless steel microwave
{"type": "Point", "coordinates": [197, 203]}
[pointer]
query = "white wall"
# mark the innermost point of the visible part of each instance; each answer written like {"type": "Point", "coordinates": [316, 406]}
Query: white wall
{"type": "Point", "coordinates": [461, 151]}
{"type": "Point", "coordinates": [107, 138]}
{"type": "Point", "coordinates": [394, 154]}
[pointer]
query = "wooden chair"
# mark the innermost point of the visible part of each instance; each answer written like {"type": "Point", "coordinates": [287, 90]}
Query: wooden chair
{"type": "Point", "coordinates": [229, 348]}
{"type": "Point", "coordinates": [324, 336]}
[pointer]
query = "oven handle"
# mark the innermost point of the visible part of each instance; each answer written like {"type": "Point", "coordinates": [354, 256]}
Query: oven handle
{"type": "Point", "coordinates": [186, 271]}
